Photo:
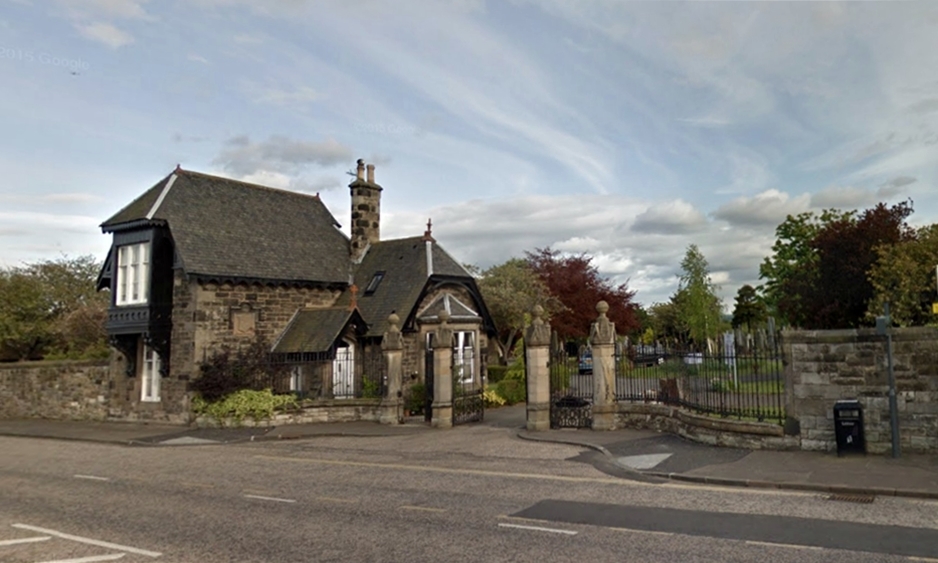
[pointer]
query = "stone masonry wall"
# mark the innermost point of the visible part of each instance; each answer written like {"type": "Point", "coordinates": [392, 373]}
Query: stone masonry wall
{"type": "Point", "coordinates": [824, 366]}
{"type": "Point", "coordinates": [56, 390]}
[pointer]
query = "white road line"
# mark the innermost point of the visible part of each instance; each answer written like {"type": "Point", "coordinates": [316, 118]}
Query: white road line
{"type": "Point", "coordinates": [925, 559]}
{"type": "Point", "coordinates": [90, 559]}
{"type": "Point", "coordinates": [538, 529]}
{"type": "Point", "coordinates": [788, 545]}
{"type": "Point", "coordinates": [423, 508]}
{"type": "Point", "coordinates": [275, 499]}
{"type": "Point", "coordinates": [24, 540]}
{"type": "Point", "coordinates": [88, 541]}
{"type": "Point", "coordinates": [91, 477]}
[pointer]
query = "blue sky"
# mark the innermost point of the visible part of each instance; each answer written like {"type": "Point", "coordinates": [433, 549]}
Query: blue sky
{"type": "Point", "coordinates": [627, 130]}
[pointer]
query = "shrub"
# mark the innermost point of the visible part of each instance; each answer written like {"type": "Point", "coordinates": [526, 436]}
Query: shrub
{"type": "Point", "coordinates": [496, 373]}
{"type": "Point", "coordinates": [512, 390]}
{"type": "Point", "coordinates": [417, 398]}
{"type": "Point", "coordinates": [258, 405]}
{"type": "Point", "coordinates": [492, 398]}
{"type": "Point", "coordinates": [229, 371]}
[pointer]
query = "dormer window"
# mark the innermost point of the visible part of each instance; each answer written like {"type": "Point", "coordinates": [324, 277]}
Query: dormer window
{"type": "Point", "coordinates": [133, 273]}
{"type": "Point", "coordinates": [373, 284]}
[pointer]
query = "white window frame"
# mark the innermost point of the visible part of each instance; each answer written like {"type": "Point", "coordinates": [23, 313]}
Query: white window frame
{"type": "Point", "coordinates": [133, 274]}
{"type": "Point", "coordinates": [296, 379]}
{"type": "Point", "coordinates": [150, 375]}
{"type": "Point", "coordinates": [464, 340]}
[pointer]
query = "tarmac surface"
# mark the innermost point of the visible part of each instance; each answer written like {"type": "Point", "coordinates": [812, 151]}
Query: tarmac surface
{"type": "Point", "coordinates": [631, 454]}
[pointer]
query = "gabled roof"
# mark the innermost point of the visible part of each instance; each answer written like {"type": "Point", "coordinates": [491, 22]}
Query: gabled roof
{"type": "Point", "coordinates": [458, 311]}
{"type": "Point", "coordinates": [226, 228]}
{"type": "Point", "coordinates": [315, 330]}
{"type": "Point", "coordinates": [404, 263]}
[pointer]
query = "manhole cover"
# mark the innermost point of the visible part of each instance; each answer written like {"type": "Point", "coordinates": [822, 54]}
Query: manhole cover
{"type": "Point", "coordinates": [864, 499]}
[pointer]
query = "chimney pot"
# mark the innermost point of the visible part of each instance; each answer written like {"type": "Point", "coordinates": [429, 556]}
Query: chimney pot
{"type": "Point", "coordinates": [360, 171]}
{"type": "Point", "coordinates": [371, 173]}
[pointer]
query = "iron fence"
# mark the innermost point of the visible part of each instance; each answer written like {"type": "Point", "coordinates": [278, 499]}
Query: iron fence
{"type": "Point", "coordinates": [340, 373]}
{"type": "Point", "coordinates": [571, 387]}
{"type": "Point", "coordinates": [738, 375]}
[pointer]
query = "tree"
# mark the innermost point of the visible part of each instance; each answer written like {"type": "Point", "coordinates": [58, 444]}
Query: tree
{"type": "Point", "coordinates": [790, 272]}
{"type": "Point", "coordinates": [750, 308]}
{"type": "Point", "coordinates": [51, 308]}
{"type": "Point", "coordinates": [818, 277]}
{"type": "Point", "coordinates": [510, 291]}
{"type": "Point", "coordinates": [696, 298]}
{"type": "Point", "coordinates": [576, 282]}
{"type": "Point", "coordinates": [666, 322]}
{"type": "Point", "coordinates": [904, 274]}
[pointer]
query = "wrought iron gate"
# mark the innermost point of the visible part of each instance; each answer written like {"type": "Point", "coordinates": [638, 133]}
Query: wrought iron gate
{"type": "Point", "coordinates": [468, 400]}
{"type": "Point", "coordinates": [571, 388]}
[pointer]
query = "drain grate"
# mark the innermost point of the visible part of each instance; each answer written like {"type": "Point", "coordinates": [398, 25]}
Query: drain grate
{"type": "Point", "coordinates": [862, 499]}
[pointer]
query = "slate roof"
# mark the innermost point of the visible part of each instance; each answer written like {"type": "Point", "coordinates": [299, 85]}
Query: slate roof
{"type": "Point", "coordinates": [315, 330]}
{"type": "Point", "coordinates": [228, 228]}
{"type": "Point", "coordinates": [404, 262]}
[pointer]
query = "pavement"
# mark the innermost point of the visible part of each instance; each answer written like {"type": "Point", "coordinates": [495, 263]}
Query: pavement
{"type": "Point", "coordinates": [635, 454]}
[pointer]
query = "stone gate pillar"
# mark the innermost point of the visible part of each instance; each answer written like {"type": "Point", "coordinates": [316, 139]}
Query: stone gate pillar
{"type": "Point", "coordinates": [536, 363]}
{"type": "Point", "coordinates": [603, 343]}
{"type": "Point", "coordinates": [443, 374]}
{"type": "Point", "coordinates": [393, 347]}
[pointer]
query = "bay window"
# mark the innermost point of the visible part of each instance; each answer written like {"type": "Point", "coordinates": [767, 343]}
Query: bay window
{"type": "Point", "coordinates": [133, 273]}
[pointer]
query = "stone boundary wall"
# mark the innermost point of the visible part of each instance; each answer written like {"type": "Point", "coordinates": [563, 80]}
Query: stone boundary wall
{"type": "Point", "coordinates": [710, 430]}
{"type": "Point", "coordinates": [64, 390]}
{"type": "Point", "coordinates": [824, 366]}
{"type": "Point", "coordinates": [327, 410]}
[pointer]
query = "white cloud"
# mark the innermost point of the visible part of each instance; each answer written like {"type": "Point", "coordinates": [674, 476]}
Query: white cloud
{"type": "Point", "coordinates": [279, 154]}
{"type": "Point", "coordinates": [105, 33]}
{"type": "Point", "coordinates": [766, 209]}
{"type": "Point", "coordinates": [842, 197]}
{"type": "Point", "coordinates": [671, 218]}
{"type": "Point", "coordinates": [292, 97]}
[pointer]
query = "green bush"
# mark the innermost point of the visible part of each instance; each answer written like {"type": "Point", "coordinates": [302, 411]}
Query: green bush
{"type": "Point", "coordinates": [417, 398]}
{"type": "Point", "coordinates": [512, 390]}
{"type": "Point", "coordinates": [496, 373]}
{"type": "Point", "coordinates": [258, 405]}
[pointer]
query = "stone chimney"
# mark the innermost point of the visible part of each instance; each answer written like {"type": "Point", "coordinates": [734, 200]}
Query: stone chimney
{"type": "Point", "coordinates": [366, 210]}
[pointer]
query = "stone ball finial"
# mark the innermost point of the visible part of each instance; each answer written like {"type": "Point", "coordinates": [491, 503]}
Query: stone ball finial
{"type": "Point", "coordinates": [537, 312]}
{"type": "Point", "coordinates": [443, 315]}
{"type": "Point", "coordinates": [602, 308]}
{"type": "Point", "coordinates": [394, 320]}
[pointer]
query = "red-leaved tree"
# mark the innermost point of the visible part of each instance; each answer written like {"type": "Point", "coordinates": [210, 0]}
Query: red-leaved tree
{"type": "Point", "coordinates": [577, 284]}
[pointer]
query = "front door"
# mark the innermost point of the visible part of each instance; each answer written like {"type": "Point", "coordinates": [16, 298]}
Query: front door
{"type": "Point", "coordinates": [343, 373]}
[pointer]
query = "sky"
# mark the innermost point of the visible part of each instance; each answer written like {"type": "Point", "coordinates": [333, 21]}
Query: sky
{"type": "Point", "coordinates": [624, 130]}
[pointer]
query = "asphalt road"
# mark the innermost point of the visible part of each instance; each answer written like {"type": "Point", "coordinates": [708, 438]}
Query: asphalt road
{"type": "Point", "coordinates": [470, 494]}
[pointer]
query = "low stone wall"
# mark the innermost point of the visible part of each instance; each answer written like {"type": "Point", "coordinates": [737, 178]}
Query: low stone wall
{"type": "Point", "coordinates": [704, 429]}
{"type": "Point", "coordinates": [326, 410]}
{"type": "Point", "coordinates": [67, 390]}
{"type": "Point", "coordinates": [822, 367]}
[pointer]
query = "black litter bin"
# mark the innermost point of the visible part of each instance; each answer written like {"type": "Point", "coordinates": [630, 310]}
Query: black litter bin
{"type": "Point", "coordinates": [848, 427]}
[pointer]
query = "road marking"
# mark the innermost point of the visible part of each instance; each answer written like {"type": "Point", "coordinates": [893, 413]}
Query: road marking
{"type": "Point", "coordinates": [275, 499]}
{"type": "Point", "coordinates": [88, 541]}
{"type": "Point", "coordinates": [423, 508]}
{"type": "Point", "coordinates": [91, 477]}
{"type": "Point", "coordinates": [538, 529]}
{"type": "Point", "coordinates": [649, 532]}
{"type": "Point", "coordinates": [90, 559]}
{"type": "Point", "coordinates": [788, 545]}
{"type": "Point", "coordinates": [924, 559]}
{"type": "Point", "coordinates": [4, 543]}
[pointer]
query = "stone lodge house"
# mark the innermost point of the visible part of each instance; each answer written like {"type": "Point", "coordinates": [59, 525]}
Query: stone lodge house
{"type": "Point", "coordinates": [200, 262]}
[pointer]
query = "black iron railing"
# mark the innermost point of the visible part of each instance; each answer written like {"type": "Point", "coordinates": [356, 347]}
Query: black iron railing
{"type": "Point", "coordinates": [738, 375]}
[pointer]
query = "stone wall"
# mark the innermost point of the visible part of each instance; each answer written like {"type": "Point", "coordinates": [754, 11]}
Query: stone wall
{"type": "Point", "coordinates": [705, 429]}
{"type": "Point", "coordinates": [56, 390]}
{"type": "Point", "coordinates": [824, 366]}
